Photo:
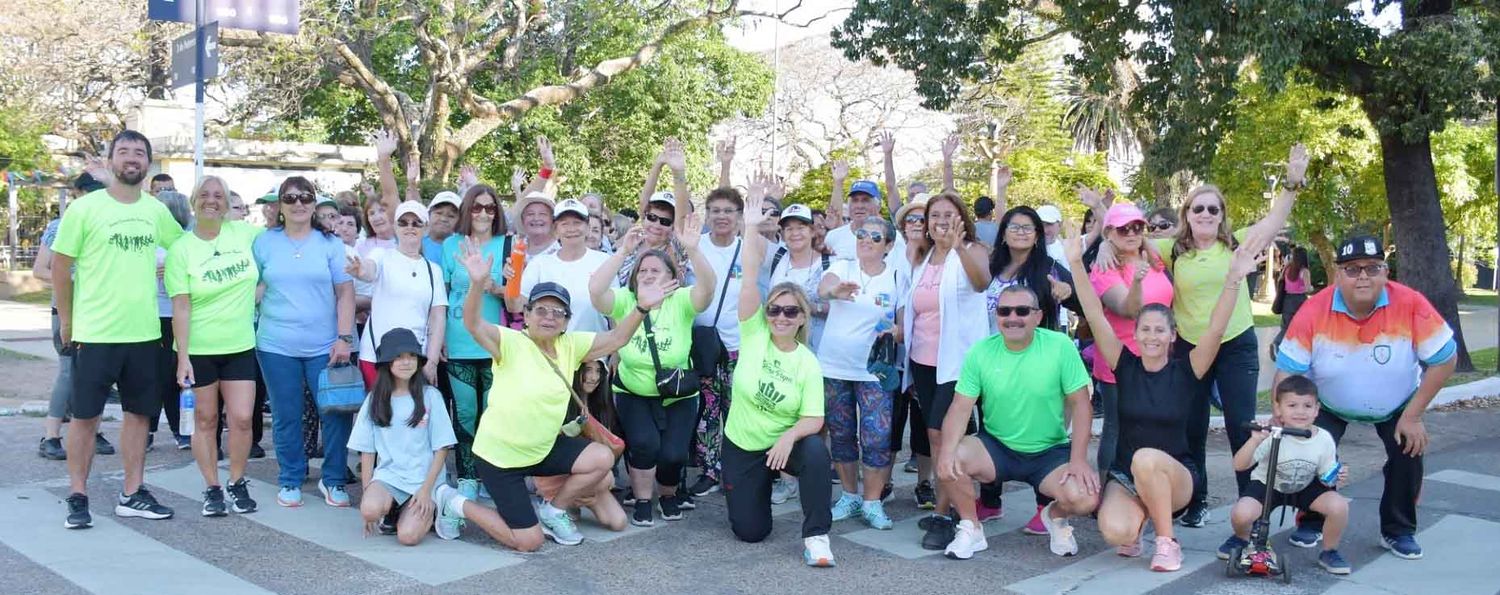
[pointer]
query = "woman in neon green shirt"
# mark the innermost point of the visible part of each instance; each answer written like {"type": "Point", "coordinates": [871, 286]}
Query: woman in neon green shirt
{"type": "Point", "coordinates": [776, 409]}
{"type": "Point", "coordinates": [211, 276]}
{"type": "Point", "coordinates": [658, 430]}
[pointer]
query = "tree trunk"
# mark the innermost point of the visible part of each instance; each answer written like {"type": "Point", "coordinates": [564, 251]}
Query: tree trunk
{"type": "Point", "coordinates": [1421, 236]}
{"type": "Point", "coordinates": [1324, 246]}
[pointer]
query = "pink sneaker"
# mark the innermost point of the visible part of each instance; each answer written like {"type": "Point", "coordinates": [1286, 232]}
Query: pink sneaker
{"type": "Point", "coordinates": [986, 513]}
{"type": "Point", "coordinates": [1130, 551]}
{"type": "Point", "coordinates": [1035, 526]}
{"type": "Point", "coordinates": [1168, 556]}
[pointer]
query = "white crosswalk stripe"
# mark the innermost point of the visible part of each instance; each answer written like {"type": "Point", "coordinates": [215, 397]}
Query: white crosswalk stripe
{"type": "Point", "coordinates": [1451, 564]}
{"type": "Point", "coordinates": [905, 539]}
{"type": "Point", "coordinates": [1467, 479]}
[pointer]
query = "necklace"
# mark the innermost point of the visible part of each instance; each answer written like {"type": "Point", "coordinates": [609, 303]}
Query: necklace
{"type": "Point", "coordinates": [297, 246]}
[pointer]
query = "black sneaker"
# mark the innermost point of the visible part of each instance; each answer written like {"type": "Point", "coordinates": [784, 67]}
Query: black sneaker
{"type": "Point", "coordinates": [102, 446]}
{"type": "Point", "coordinates": [78, 512]}
{"type": "Point", "coordinates": [685, 500]}
{"type": "Point", "coordinates": [256, 452]}
{"type": "Point", "coordinates": [239, 497]}
{"type": "Point", "coordinates": [387, 524]}
{"type": "Point", "coordinates": [141, 504]}
{"type": "Point", "coordinates": [926, 497]}
{"type": "Point", "coordinates": [213, 502]}
{"type": "Point", "coordinates": [940, 533]}
{"type": "Point", "coordinates": [1196, 515]}
{"type": "Point", "coordinates": [885, 492]}
{"type": "Point", "coordinates": [52, 449]}
{"type": "Point", "coordinates": [704, 486]}
{"type": "Point", "coordinates": [670, 510]}
{"type": "Point", "coordinates": [642, 516]}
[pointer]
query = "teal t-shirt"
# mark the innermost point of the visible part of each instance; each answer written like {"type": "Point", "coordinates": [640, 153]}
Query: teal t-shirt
{"type": "Point", "coordinates": [672, 323]}
{"type": "Point", "coordinates": [1021, 393]}
{"type": "Point", "coordinates": [460, 343]}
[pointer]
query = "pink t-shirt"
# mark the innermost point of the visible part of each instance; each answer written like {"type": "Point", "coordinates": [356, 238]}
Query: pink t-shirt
{"type": "Point", "coordinates": [1295, 284]}
{"type": "Point", "coordinates": [1156, 288]}
{"type": "Point", "coordinates": [927, 327]}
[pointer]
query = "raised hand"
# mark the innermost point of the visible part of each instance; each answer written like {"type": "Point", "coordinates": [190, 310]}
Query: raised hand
{"type": "Point", "coordinates": [1072, 244]}
{"type": "Point", "coordinates": [673, 156]}
{"type": "Point", "coordinates": [755, 198]}
{"type": "Point", "coordinates": [385, 143]}
{"type": "Point", "coordinates": [468, 177]}
{"type": "Point", "coordinates": [632, 239]}
{"type": "Point", "coordinates": [517, 181]}
{"type": "Point", "coordinates": [950, 146]}
{"type": "Point", "coordinates": [1090, 197]}
{"type": "Point", "coordinates": [724, 150]}
{"type": "Point", "coordinates": [1003, 176]}
{"type": "Point", "coordinates": [1060, 291]}
{"type": "Point", "coordinates": [477, 263]}
{"type": "Point", "coordinates": [1247, 258]}
{"type": "Point", "coordinates": [776, 187]}
{"type": "Point", "coordinates": [413, 168]}
{"type": "Point", "coordinates": [651, 296]}
{"type": "Point", "coordinates": [887, 142]}
{"type": "Point", "coordinates": [354, 267]}
{"type": "Point", "coordinates": [1296, 165]}
{"type": "Point", "coordinates": [97, 167]}
{"type": "Point", "coordinates": [840, 169]}
{"type": "Point", "coordinates": [544, 149]}
{"type": "Point", "coordinates": [944, 235]}
{"type": "Point", "coordinates": [688, 234]}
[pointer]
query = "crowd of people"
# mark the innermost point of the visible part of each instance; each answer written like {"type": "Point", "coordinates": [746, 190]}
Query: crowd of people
{"type": "Point", "coordinates": [565, 357]}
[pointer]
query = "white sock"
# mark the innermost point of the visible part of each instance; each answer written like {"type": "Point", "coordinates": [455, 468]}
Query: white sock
{"type": "Point", "coordinates": [851, 496]}
{"type": "Point", "coordinates": [548, 510]}
{"type": "Point", "coordinates": [870, 503]}
{"type": "Point", "coordinates": [456, 504]}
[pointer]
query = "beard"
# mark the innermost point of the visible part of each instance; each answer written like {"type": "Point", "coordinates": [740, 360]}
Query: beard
{"type": "Point", "coordinates": [130, 179]}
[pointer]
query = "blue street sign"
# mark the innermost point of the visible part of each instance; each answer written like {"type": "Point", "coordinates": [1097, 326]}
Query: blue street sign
{"type": "Point", "coordinates": [185, 60]}
{"type": "Point", "coordinates": [270, 16]}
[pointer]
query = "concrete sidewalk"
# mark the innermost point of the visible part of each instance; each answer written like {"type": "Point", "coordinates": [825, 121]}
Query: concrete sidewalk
{"type": "Point", "coordinates": [27, 328]}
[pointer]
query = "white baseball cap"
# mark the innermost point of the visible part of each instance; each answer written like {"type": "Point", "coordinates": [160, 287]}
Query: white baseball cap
{"type": "Point", "coordinates": [573, 206]}
{"type": "Point", "coordinates": [1049, 214]}
{"type": "Point", "coordinates": [797, 211]}
{"type": "Point", "coordinates": [411, 207]}
{"type": "Point", "coordinates": [666, 198]}
{"type": "Point", "coordinates": [446, 197]}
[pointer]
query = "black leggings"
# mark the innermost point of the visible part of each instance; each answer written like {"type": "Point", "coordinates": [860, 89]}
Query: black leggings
{"type": "Point", "coordinates": [903, 405]}
{"type": "Point", "coordinates": [747, 488]}
{"type": "Point", "coordinates": [656, 435]}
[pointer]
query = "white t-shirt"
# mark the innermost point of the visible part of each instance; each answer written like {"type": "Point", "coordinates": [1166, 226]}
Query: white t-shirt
{"type": "Point", "coordinates": [852, 325]}
{"type": "Point", "coordinates": [403, 453]}
{"type": "Point", "coordinates": [719, 259]}
{"type": "Point", "coordinates": [1299, 462]}
{"type": "Point", "coordinates": [404, 290]}
{"type": "Point", "coordinates": [807, 278]}
{"type": "Point", "coordinates": [573, 276]}
{"type": "Point", "coordinates": [841, 242]}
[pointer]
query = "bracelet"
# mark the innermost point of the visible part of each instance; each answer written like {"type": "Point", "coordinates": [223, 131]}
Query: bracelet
{"type": "Point", "coordinates": [643, 311]}
{"type": "Point", "coordinates": [545, 173]}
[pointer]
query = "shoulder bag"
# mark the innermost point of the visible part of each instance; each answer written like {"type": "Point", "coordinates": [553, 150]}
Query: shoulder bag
{"type": "Point", "coordinates": [673, 382]}
{"type": "Point", "coordinates": [708, 349]}
{"type": "Point", "coordinates": [591, 427]}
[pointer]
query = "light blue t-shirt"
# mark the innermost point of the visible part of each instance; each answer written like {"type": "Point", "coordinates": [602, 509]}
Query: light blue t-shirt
{"type": "Point", "coordinates": [298, 315]}
{"type": "Point", "coordinates": [404, 453]}
{"type": "Point", "coordinates": [432, 250]}
{"type": "Point", "coordinates": [461, 344]}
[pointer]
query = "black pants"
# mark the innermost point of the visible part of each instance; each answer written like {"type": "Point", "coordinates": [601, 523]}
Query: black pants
{"type": "Point", "coordinates": [1109, 438]}
{"type": "Point", "coordinates": [656, 435]}
{"type": "Point", "coordinates": [167, 381]}
{"type": "Point", "coordinates": [905, 408]}
{"type": "Point", "coordinates": [747, 488]}
{"type": "Point", "coordinates": [1235, 372]}
{"type": "Point", "coordinates": [1403, 478]}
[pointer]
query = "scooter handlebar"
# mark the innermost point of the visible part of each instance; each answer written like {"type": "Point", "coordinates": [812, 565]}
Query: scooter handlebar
{"type": "Point", "coordinates": [1258, 427]}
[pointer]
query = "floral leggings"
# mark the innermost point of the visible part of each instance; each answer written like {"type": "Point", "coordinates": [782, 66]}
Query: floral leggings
{"type": "Point", "coordinates": [859, 421]}
{"type": "Point", "coordinates": [708, 440]}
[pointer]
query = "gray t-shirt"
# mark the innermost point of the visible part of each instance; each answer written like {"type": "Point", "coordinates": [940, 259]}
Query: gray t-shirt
{"type": "Point", "coordinates": [403, 453]}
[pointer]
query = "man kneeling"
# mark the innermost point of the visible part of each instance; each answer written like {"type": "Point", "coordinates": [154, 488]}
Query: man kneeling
{"type": "Point", "coordinates": [1022, 377]}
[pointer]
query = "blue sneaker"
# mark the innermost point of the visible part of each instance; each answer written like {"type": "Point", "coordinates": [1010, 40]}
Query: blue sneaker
{"type": "Point", "coordinates": [334, 496]}
{"type": "Point", "coordinates": [875, 517]}
{"type": "Point", "coordinates": [1402, 546]}
{"type": "Point", "coordinates": [847, 507]}
{"type": "Point", "coordinates": [289, 496]}
{"type": "Point", "coordinates": [1333, 562]}
{"type": "Point", "coordinates": [1305, 537]}
{"type": "Point", "coordinates": [469, 488]}
{"type": "Point", "coordinates": [1230, 545]}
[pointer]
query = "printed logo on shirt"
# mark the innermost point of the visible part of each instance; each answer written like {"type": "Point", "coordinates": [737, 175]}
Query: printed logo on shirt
{"type": "Point", "coordinates": [1294, 474]}
{"type": "Point", "coordinates": [132, 243]}
{"type": "Point", "coordinates": [884, 299]}
{"type": "Point", "coordinates": [1381, 354]}
{"type": "Point", "coordinates": [767, 397]}
{"type": "Point", "coordinates": [226, 274]}
{"type": "Point", "coordinates": [735, 272]}
{"type": "Point", "coordinates": [663, 343]}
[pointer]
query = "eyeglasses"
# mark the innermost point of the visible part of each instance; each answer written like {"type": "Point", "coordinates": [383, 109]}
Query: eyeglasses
{"type": "Point", "coordinates": [1370, 270]}
{"type": "Point", "coordinates": [477, 208]}
{"type": "Point", "coordinates": [306, 198]}
{"type": "Point", "coordinates": [1161, 226]}
{"type": "Point", "coordinates": [1022, 311]}
{"type": "Point", "coordinates": [404, 222]}
{"type": "Point", "coordinates": [873, 236]}
{"type": "Point", "coordinates": [770, 212]}
{"type": "Point", "coordinates": [721, 212]}
{"type": "Point", "coordinates": [550, 312]}
{"type": "Point", "coordinates": [1134, 229]}
{"type": "Point", "coordinates": [659, 220]}
{"type": "Point", "coordinates": [786, 311]}
{"type": "Point", "coordinates": [915, 218]}
{"type": "Point", "coordinates": [1021, 228]}
{"type": "Point", "coordinates": [1212, 209]}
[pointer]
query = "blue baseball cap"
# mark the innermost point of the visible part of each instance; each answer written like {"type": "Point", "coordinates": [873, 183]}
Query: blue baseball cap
{"type": "Point", "coordinates": [866, 187]}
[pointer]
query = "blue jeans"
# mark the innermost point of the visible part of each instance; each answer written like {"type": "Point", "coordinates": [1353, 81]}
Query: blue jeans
{"type": "Point", "coordinates": [1235, 371]}
{"type": "Point", "coordinates": [286, 378]}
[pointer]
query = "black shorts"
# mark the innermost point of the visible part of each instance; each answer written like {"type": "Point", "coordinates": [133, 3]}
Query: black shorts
{"type": "Point", "coordinates": [1030, 468]}
{"type": "Point", "coordinates": [1302, 500]}
{"type": "Point", "coordinates": [132, 367]}
{"type": "Point", "coordinates": [934, 399]}
{"type": "Point", "coordinates": [508, 486]}
{"type": "Point", "coordinates": [208, 369]}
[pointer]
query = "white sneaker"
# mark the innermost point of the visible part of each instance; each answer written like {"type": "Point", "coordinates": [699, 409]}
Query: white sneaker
{"type": "Point", "coordinates": [783, 490]}
{"type": "Point", "coordinates": [448, 526]}
{"type": "Point", "coordinates": [815, 551]}
{"type": "Point", "coordinates": [1060, 533]}
{"type": "Point", "coordinates": [968, 538]}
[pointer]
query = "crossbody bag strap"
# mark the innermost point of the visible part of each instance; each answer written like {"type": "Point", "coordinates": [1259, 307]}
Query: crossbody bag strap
{"type": "Point", "coordinates": [582, 406]}
{"type": "Point", "coordinates": [651, 342]}
{"type": "Point", "coordinates": [728, 273]}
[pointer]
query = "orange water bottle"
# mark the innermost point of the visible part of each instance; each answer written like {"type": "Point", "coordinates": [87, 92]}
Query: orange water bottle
{"type": "Point", "coordinates": [517, 264]}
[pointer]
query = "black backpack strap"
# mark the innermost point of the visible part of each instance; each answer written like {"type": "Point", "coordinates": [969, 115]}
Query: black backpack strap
{"type": "Point", "coordinates": [775, 260]}
{"type": "Point", "coordinates": [825, 262]}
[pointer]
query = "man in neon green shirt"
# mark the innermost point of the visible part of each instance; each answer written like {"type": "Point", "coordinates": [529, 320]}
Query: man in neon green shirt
{"type": "Point", "coordinates": [110, 322]}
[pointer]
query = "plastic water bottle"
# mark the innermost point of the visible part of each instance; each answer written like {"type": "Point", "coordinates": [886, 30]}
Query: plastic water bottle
{"type": "Point", "coordinates": [185, 402]}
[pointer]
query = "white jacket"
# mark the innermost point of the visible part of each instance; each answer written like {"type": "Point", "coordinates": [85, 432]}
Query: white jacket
{"type": "Point", "coordinates": [962, 310]}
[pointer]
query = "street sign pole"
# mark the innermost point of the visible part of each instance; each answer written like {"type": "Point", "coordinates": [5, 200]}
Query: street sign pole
{"type": "Point", "coordinates": [198, 115]}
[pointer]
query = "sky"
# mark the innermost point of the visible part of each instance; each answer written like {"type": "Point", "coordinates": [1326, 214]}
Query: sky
{"type": "Point", "coordinates": [758, 35]}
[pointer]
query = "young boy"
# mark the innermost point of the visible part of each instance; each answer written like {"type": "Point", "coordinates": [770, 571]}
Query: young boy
{"type": "Point", "coordinates": [1307, 471]}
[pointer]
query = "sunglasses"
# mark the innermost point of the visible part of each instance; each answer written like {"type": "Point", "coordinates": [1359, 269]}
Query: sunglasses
{"type": "Point", "coordinates": [1021, 228]}
{"type": "Point", "coordinates": [1160, 226]}
{"type": "Point", "coordinates": [873, 236]}
{"type": "Point", "coordinates": [404, 222]}
{"type": "Point", "coordinates": [306, 198]}
{"type": "Point", "coordinates": [659, 220]}
{"type": "Point", "coordinates": [1212, 209]}
{"type": "Point", "coordinates": [915, 218]}
{"type": "Point", "coordinates": [1134, 229]}
{"type": "Point", "coordinates": [1022, 311]}
{"type": "Point", "coordinates": [1370, 270]}
{"type": "Point", "coordinates": [786, 311]}
{"type": "Point", "coordinates": [477, 208]}
{"type": "Point", "coordinates": [550, 312]}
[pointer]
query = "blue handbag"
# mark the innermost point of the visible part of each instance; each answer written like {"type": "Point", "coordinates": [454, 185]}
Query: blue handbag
{"type": "Point", "coordinates": [341, 389]}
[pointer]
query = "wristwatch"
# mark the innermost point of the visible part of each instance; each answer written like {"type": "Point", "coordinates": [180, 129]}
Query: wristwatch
{"type": "Point", "coordinates": [347, 339]}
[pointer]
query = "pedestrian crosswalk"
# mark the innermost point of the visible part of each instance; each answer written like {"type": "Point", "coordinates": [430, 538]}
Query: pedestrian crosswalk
{"type": "Point", "coordinates": [120, 556]}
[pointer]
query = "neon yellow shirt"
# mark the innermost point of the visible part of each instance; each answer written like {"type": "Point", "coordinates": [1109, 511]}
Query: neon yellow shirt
{"type": "Point", "coordinates": [672, 323]}
{"type": "Point", "coordinates": [114, 246]}
{"type": "Point", "coordinates": [772, 388]}
{"type": "Point", "coordinates": [527, 402]}
{"type": "Point", "coordinates": [219, 277]}
{"type": "Point", "coordinates": [1197, 281]}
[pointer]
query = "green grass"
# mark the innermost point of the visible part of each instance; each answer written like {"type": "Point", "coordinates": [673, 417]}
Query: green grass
{"type": "Point", "coordinates": [1484, 367]}
{"type": "Point", "coordinates": [42, 297]}
{"type": "Point", "coordinates": [1480, 297]}
{"type": "Point", "coordinates": [6, 354]}
{"type": "Point", "coordinates": [1263, 315]}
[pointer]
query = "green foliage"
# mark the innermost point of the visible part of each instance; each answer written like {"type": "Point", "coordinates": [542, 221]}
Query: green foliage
{"type": "Point", "coordinates": [1464, 157]}
{"type": "Point", "coordinates": [816, 185]}
{"type": "Point", "coordinates": [21, 145]}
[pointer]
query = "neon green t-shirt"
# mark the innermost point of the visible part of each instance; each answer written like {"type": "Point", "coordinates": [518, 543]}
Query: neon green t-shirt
{"type": "Point", "coordinates": [219, 277]}
{"type": "Point", "coordinates": [1197, 281]}
{"type": "Point", "coordinates": [1021, 393]}
{"type": "Point", "coordinates": [114, 247]}
{"type": "Point", "coordinates": [672, 323]}
{"type": "Point", "coordinates": [772, 388]}
{"type": "Point", "coordinates": [527, 402]}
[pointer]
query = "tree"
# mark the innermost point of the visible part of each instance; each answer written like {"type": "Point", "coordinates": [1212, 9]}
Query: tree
{"type": "Point", "coordinates": [1415, 68]}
